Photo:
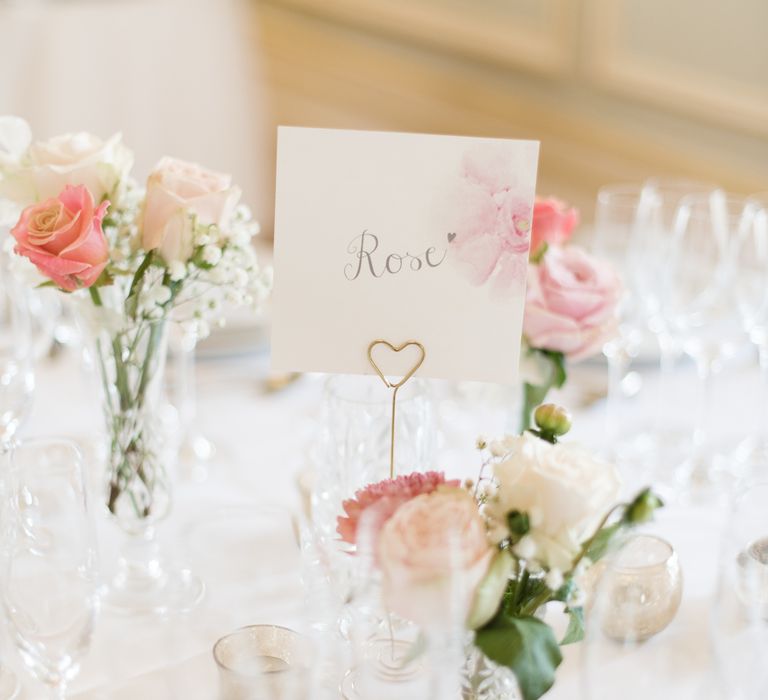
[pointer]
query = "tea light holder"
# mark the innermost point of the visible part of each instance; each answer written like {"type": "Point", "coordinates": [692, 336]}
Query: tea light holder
{"type": "Point", "coordinates": [641, 589]}
{"type": "Point", "coordinates": [262, 662]}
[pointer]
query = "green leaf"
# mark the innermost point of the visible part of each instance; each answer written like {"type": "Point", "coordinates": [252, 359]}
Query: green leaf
{"type": "Point", "coordinates": [490, 591]}
{"type": "Point", "coordinates": [519, 524]}
{"type": "Point", "coordinates": [534, 394]}
{"type": "Point", "coordinates": [538, 255]}
{"type": "Point", "coordinates": [557, 360]}
{"type": "Point", "coordinates": [599, 545]}
{"type": "Point", "coordinates": [527, 646]}
{"type": "Point", "coordinates": [575, 631]}
{"type": "Point", "coordinates": [47, 283]}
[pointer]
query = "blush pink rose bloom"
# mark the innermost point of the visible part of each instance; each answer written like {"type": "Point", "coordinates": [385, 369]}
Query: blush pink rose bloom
{"type": "Point", "coordinates": [433, 553]}
{"type": "Point", "coordinates": [571, 302]}
{"type": "Point", "coordinates": [376, 503]}
{"type": "Point", "coordinates": [62, 236]}
{"type": "Point", "coordinates": [176, 191]}
{"type": "Point", "coordinates": [553, 222]}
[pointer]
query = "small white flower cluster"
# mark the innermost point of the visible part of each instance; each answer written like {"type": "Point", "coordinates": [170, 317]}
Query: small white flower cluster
{"type": "Point", "coordinates": [222, 271]}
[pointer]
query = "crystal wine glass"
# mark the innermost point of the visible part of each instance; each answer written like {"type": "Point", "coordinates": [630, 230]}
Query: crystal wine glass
{"type": "Point", "coordinates": [16, 375]}
{"type": "Point", "coordinates": [700, 305]}
{"type": "Point", "coordinates": [626, 217]}
{"type": "Point", "coordinates": [751, 286]}
{"type": "Point", "coordinates": [48, 572]}
{"type": "Point", "coordinates": [738, 619]}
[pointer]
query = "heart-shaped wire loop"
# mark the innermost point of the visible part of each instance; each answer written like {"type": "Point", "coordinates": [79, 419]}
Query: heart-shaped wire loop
{"type": "Point", "coordinates": [397, 385]}
{"type": "Point", "coordinates": [397, 348]}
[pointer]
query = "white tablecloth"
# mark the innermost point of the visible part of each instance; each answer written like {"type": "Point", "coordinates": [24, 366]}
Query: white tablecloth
{"type": "Point", "coordinates": [261, 443]}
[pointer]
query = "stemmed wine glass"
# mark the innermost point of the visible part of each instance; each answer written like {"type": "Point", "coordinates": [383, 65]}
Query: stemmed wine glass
{"type": "Point", "coordinates": [626, 220]}
{"type": "Point", "coordinates": [738, 621]}
{"type": "Point", "coordinates": [16, 375]}
{"type": "Point", "coordinates": [751, 286]}
{"type": "Point", "coordinates": [48, 566]}
{"type": "Point", "coordinates": [701, 305]}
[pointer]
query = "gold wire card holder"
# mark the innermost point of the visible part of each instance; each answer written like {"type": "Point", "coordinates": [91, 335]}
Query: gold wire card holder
{"type": "Point", "coordinates": [395, 386]}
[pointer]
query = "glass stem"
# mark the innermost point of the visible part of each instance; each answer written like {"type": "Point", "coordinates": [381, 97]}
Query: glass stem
{"type": "Point", "coordinates": [762, 411]}
{"type": "Point", "coordinates": [618, 362]}
{"type": "Point", "coordinates": [705, 368]}
{"type": "Point", "coordinates": [668, 354]}
{"type": "Point", "coordinates": [58, 691]}
{"type": "Point", "coordinates": [185, 382]}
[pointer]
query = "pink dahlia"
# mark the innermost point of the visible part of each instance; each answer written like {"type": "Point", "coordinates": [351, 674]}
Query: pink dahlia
{"type": "Point", "coordinates": [379, 501]}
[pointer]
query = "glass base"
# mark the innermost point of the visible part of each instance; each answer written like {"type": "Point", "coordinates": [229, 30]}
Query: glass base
{"type": "Point", "coordinates": [146, 582]}
{"type": "Point", "coordinates": [9, 685]}
{"type": "Point", "coordinates": [173, 592]}
{"type": "Point", "coordinates": [195, 454]}
{"type": "Point", "coordinates": [165, 592]}
{"type": "Point", "coordinates": [385, 673]}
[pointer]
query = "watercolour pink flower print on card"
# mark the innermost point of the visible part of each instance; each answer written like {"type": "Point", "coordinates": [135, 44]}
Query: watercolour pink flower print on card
{"type": "Point", "coordinates": [492, 223]}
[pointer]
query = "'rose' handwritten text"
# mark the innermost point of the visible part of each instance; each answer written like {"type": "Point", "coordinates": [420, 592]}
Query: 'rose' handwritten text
{"type": "Point", "coordinates": [368, 259]}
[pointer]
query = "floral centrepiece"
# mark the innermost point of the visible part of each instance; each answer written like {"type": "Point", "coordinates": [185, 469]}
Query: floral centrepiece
{"type": "Point", "coordinates": [498, 550]}
{"type": "Point", "coordinates": [571, 303]}
{"type": "Point", "coordinates": [135, 258]}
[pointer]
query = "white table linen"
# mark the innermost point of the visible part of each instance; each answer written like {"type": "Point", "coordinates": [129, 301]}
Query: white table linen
{"type": "Point", "coordinates": [261, 443]}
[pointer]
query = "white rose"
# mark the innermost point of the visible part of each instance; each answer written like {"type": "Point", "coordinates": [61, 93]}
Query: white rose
{"type": "Point", "coordinates": [71, 159]}
{"type": "Point", "coordinates": [15, 137]}
{"type": "Point", "coordinates": [565, 488]}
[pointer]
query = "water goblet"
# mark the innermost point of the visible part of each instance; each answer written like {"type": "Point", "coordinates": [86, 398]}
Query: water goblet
{"type": "Point", "coordinates": [701, 305]}
{"type": "Point", "coordinates": [751, 287]}
{"type": "Point", "coordinates": [738, 617]}
{"type": "Point", "coordinates": [48, 574]}
{"type": "Point", "coordinates": [16, 374]}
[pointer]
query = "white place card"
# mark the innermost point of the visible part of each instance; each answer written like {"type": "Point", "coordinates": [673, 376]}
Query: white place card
{"type": "Point", "coordinates": [401, 237]}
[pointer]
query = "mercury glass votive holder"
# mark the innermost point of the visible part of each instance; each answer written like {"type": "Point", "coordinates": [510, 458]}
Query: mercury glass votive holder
{"type": "Point", "coordinates": [641, 589]}
{"type": "Point", "coordinates": [262, 662]}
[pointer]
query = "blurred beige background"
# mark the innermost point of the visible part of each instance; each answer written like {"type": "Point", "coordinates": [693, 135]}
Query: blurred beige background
{"type": "Point", "coordinates": [616, 90]}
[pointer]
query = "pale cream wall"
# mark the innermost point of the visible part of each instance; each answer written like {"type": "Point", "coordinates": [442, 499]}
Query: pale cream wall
{"type": "Point", "coordinates": [615, 89]}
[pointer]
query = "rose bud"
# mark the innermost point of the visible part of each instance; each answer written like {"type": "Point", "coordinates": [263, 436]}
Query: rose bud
{"type": "Point", "coordinates": [642, 508]}
{"type": "Point", "coordinates": [552, 420]}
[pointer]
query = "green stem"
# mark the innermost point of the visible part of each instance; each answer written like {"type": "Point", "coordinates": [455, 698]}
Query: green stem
{"type": "Point", "coordinates": [121, 378]}
{"type": "Point", "coordinates": [534, 604]}
{"type": "Point", "coordinates": [585, 547]}
{"type": "Point", "coordinates": [154, 337]}
{"type": "Point", "coordinates": [140, 272]}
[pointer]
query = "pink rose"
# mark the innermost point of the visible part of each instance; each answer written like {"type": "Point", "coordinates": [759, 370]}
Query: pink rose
{"type": "Point", "coordinates": [433, 552]}
{"type": "Point", "coordinates": [376, 503]}
{"type": "Point", "coordinates": [571, 302]}
{"type": "Point", "coordinates": [553, 222]}
{"type": "Point", "coordinates": [63, 238]}
{"type": "Point", "coordinates": [175, 191]}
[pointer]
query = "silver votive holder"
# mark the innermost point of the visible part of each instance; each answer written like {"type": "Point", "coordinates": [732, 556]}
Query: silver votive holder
{"type": "Point", "coordinates": [641, 589]}
{"type": "Point", "coordinates": [262, 662]}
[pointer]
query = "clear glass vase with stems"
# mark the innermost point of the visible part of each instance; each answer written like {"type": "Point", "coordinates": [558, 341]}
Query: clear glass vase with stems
{"type": "Point", "coordinates": [751, 286]}
{"type": "Point", "coordinates": [701, 306]}
{"type": "Point", "coordinates": [141, 451]}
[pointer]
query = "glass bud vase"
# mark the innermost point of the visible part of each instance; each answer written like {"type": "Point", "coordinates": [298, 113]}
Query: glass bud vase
{"type": "Point", "coordinates": [482, 679]}
{"type": "Point", "coordinates": [140, 450]}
